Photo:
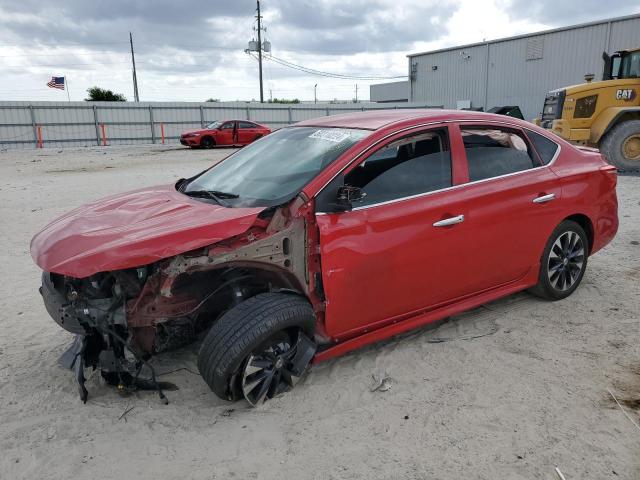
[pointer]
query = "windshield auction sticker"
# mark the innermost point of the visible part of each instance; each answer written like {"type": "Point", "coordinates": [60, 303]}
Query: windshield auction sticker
{"type": "Point", "coordinates": [330, 135]}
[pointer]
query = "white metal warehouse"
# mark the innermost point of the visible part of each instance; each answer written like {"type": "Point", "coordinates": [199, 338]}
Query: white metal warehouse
{"type": "Point", "coordinates": [517, 70]}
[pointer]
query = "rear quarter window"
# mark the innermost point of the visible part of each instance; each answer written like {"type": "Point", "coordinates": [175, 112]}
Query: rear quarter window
{"type": "Point", "coordinates": [546, 148]}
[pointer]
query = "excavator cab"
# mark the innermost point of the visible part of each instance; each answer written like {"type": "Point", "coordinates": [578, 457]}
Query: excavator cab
{"type": "Point", "coordinates": [621, 64]}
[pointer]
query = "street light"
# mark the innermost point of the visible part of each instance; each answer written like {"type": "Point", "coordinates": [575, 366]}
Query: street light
{"type": "Point", "coordinates": [315, 98]}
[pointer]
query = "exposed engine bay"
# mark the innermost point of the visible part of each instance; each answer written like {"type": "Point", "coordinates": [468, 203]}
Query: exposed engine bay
{"type": "Point", "coordinates": [122, 318]}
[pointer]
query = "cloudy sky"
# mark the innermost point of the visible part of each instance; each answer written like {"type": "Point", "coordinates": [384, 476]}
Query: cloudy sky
{"type": "Point", "coordinates": [191, 51]}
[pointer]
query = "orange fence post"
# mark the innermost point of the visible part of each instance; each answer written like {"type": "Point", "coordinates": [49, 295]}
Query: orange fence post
{"type": "Point", "coordinates": [104, 135]}
{"type": "Point", "coordinates": [162, 132]}
{"type": "Point", "coordinates": [40, 142]}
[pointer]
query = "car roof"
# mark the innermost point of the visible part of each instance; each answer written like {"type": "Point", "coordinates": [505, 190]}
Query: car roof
{"type": "Point", "coordinates": [377, 119]}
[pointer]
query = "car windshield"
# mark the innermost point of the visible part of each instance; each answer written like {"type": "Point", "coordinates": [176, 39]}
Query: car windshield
{"type": "Point", "coordinates": [273, 170]}
{"type": "Point", "coordinates": [215, 124]}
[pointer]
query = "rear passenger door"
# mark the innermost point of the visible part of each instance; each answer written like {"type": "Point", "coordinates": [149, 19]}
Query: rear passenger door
{"type": "Point", "coordinates": [246, 132]}
{"type": "Point", "coordinates": [509, 204]}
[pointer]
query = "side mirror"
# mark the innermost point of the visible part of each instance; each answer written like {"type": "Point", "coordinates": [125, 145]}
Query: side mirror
{"type": "Point", "coordinates": [347, 196]}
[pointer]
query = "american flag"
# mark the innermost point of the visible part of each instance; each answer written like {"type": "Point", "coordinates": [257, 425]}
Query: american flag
{"type": "Point", "coordinates": [56, 82]}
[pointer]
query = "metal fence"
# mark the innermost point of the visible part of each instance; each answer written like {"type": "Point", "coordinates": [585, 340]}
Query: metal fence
{"type": "Point", "coordinates": [46, 124]}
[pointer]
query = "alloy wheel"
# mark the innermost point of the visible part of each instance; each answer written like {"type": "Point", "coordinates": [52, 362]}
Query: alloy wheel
{"type": "Point", "coordinates": [268, 370]}
{"type": "Point", "coordinates": [566, 261]}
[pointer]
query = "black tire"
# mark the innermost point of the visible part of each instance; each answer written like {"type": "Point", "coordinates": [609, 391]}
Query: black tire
{"type": "Point", "coordinates": [563, 262]}
{"type": "Point", "coordinates": [207, 142]}
{"type": "Point", "coordinates": [247, 326]}
{"type": "Point", "coordinates": [621, 145]}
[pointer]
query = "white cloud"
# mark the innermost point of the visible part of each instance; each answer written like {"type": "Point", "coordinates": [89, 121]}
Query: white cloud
{"type": "Point", "coordinates": [194, 59]}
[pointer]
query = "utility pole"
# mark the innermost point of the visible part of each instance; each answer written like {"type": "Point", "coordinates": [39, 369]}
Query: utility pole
{"type": "Point", "coordinates": [315, 97]}
{"type": "Point", "coordinates": [260, 49]}
{"type": "Point", "coordinates": [135, 77]}
{"type": "Point", "coordinates": [356, 93]}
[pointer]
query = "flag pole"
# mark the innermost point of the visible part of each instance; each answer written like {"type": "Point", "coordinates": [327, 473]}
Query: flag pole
{"type": "Point", "coordinates": [66, 86]}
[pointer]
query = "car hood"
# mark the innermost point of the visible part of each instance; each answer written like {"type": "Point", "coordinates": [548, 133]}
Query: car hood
{"type": "Point", "coordinates": [200, 131]}
{"type": "Point", "coordinates": [134, 229]}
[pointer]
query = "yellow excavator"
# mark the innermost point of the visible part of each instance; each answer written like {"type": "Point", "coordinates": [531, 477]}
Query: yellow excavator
{"type": "Point", "coordinates": [603, 114]}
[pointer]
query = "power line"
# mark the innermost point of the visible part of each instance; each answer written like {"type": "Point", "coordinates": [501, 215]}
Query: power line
{"type": "Point", "coordinates": [320, 73]}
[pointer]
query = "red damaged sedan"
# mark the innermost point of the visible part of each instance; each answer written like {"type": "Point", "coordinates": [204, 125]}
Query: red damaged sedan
{"type": "Point", "coordinates": [225, 133]}
{"type": "Point", "coordinates": [325, 236]}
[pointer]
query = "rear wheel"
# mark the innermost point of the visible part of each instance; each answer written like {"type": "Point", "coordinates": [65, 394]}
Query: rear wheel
{"type": "Point", "coordinates": [621, 145]}
{"type": "Point", "coordinates": [563, 262]}
{"type": "Point", "coordinates": [207, 142]}
{"type": "Point", "coordinates": [259, 348]}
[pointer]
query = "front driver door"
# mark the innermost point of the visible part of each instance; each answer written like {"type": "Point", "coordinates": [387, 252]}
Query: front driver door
{"type": "Point", "coordinates": [400, 249]}
{"type": "Point", "coordinates": [225, 134]}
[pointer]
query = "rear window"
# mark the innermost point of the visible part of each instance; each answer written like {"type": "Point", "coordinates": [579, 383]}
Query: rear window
{"type": "Point", "coordinates": [495, 151]}
{"type": "Point", "coordinates": [546, 148]}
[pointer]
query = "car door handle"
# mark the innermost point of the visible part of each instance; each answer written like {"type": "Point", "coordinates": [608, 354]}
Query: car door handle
{"type": "Point", "coordinates": [449, 221]}
{"type": "Point", "coordinates": [544, 198]}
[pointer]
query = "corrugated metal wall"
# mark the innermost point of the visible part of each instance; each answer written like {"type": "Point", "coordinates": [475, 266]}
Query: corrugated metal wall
{"type": "Point", "coordinates": [389, 92]}
{"type": "Point", "coordinates": [22, 124]}
{"type": "Point", "coordinates": [519, 71]}
{"type": "Point", "coordinates": [446, 77]}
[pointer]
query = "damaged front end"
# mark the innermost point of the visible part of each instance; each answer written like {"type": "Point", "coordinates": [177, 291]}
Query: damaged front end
{"type": "Point", "coordinates": [94, 309]}
{"type": "Point", "coordinates": [122, 318]}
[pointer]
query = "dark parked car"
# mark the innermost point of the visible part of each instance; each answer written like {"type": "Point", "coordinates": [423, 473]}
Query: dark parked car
{"type": "Point", "coordinates": [325, 236]}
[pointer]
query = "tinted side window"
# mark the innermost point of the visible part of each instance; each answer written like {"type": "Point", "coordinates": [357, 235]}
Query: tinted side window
{"type": "Point", "coordinates": [410, 166]}
{"type": "Point", "coordinates": [546, 148]}
{"type": "Point", "coordinates": [246, 125]}
{"type": "Point", "coordinates": [492, 152]}
{"type": "Point", "coordinates": [227, 126]}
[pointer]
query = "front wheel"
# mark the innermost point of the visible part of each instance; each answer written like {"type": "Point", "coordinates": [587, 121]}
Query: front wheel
{"type": "Point", "coordinates": [207, 142]}
{"type": "Point", "coordinates": [259, 348]}
{"type": "Point", "coordinates": [563, 262]}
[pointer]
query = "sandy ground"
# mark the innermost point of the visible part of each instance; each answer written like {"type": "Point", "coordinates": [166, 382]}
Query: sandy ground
{"type": "Point", "coordinates": [513, 390]}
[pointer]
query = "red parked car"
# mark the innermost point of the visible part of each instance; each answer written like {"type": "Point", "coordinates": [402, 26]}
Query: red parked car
{"type": "Point", "coordinates": [225, 133]}
{"type": "Point", "coordinates": [325, 236]}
